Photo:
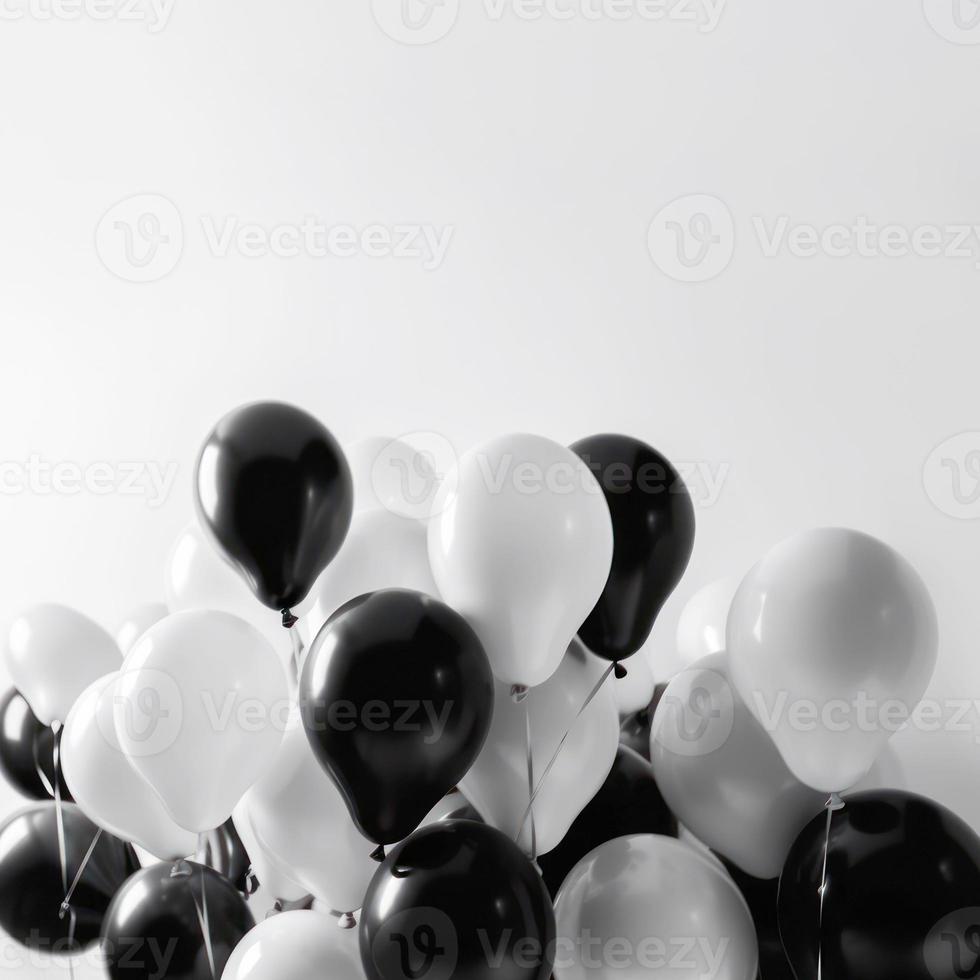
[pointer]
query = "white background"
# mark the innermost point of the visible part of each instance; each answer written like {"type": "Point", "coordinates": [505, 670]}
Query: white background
{"type": "Point", "coordinates": [817, 385]}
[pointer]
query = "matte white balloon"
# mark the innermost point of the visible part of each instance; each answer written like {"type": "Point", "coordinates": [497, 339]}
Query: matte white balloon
{"type": "Point", "coordinates": [53, 653]}
{"type": "Point", "coordinates": [137, 622]}
{"type": "Point", "coordinates": [381, 551]}
{"type": "Point", "coordinates": [652, 907]}
{"type": "Point", "coordinates": [634, 691]}
{"type": "Point", "coordinates": [497, 782]}
{"type": "Point", "coordinates": [832, 641]}
{"type": "Point", "coordinates": [296, 946]}
{"type": "Point", "coordinates": [107, 788]}
{"type": "Point", "coordinates": [300, 820]}
{"type": "Point", "coordinates": [521, 544]}
{"type": "Point", "coordinates": [273, 880]}
{"type": "Point", "coordinates": [721, 774]}
{"type": "Point", "coordinates": [200, 709]}
{"type": "Point", "coordinates": [392, 475]}
{"type": "Point", "coordinates": [702, 623]}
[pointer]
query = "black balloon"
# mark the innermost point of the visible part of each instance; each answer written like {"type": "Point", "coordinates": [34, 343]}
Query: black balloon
{"type": "Point", "coordinates": [27, 749]}
{"type": "Point", "coordinates": [274, 490]}
{"type": "Point", "coordinates": [760, 896]}
{"type": "Point", "coordinates": [634, 732]}
{"type": "Point", "coordinates": [152, 928]}
{"type": "Point", "coordinates": [653, 535]}
{"type": "Point", "coordinates": [31, 884]}
{"type": "Point", "coordinates": [903, 893]}
{"type": "Point", "coordinates": [458, 900]}
{"type": "Point", "coordinates": [628, 802]}
{"type": "Point", "coordinates": [396, 697]}
{"type": "Point", "coordinates": [226, 853]}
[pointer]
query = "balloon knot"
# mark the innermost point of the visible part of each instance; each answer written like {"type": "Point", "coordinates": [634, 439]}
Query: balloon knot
{"type": "Point", "coordinates": [518, 693]}
{"type": "Point", "coordinates": [251, 883]}
{"type": "Point", "coordinates": [181, 869]}
{"type": "Point", "coordinates": [347, 921]}
{"type": "Point", "coordinates": [378, 854]}
{"type": "Point", "coordinates": [619, 670]}
{"type": "Point", "coordinates": [64, 910]}
{"type": "Point", "coordinates": [288, 619]}
{"type": "Point", "coordinates": [834, 803]}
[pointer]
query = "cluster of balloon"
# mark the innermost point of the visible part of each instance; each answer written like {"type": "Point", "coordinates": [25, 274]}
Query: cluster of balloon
{"type": "Point", "coordinates": [901, 893]}
{"type": "Point", "coordinates": [627, 803]}
{"type": "Point", "coordinates": [457, 899]}
{"type": "Point", "coordinates": [396, 698]}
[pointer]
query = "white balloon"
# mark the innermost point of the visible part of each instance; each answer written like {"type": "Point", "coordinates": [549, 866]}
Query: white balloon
{"type": "Point", "coordinates": [701, 627]}
{"type": "Point", "coordinates": [200, 709]}
{"type": "Point", "coordinates": [634, 691]}
{"type": "Point", "coordinates": [53, 653]}
{"type": "Point", "coordinates": [197, 577]}
{"type": "Point", "coordinates": [273, 879]}
{"type": "Point", "coordinates": [381, 551]}
{"type": "Point", "coordinates": [300, 819]}
{"type": "Point", "coordinates": [137, 622]}
{"type": "Point", "coordinates": [295, 946]}
{"type": "Point", "coordinates": [832, 640]}
{"type": "Point", "coordinates": [720, 773]}
{"type": "Point", "coordinates": [649, 906]}
{"type": "Point", "coordinates": [392, 475]}
{"type": "Point", "coordinates": [521, 544]}
{"type": "Point", "coordinates": [497, 782]}
{"type": "Point", "coordinates": [107, 788]}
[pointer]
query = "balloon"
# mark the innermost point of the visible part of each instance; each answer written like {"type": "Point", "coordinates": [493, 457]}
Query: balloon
{"type": "Point", "coordinates": [701, 627]}
{"type": "Point", "coordinates": [106, 787]}
{"type": "Point", "coordinates": [137, 623]}
{"type": "Point", "coordinates": [653, 531]}
{"type": "Point", "coordinates": [391, 474]}
{"type": "Point", "coordinates": [521, 543]}
{"type": "Point", "coordinates": [31, 884]}
{"type": "Point", "coordinates": [26, 749]}
{"type": "Point", "coordinates": [634, 732]}
{"type": "Point", "coordinates": [295, 946]}
{"type": "Point", "coordinates": [53, 653]}
{"type": "Point", "coordinates": [457, 900]}
{"type": "Point", "coordinates": [301, 822]}
{"type": "Point", "coordinates": [273, 489]}
{"type": "Point", "coordinates": [652, 906]}
{"type": "Point", "coordinates": [396, 696]}
{"type": "Point", "coordinates": [200, 708]}
{"type": "Point", "coordinates": [903, 892]}
{"type": "Point", "coordinates": [634, 689]}
{"type": "Point", "coordinates": [381, 551]}
{"type": "Point", "coordinates": [721, 774]}
{"type": "Point", "coordinates": [271, 877]}
{"type": "Point", "coordinates": [628, 802]}
{"type": "Point", "coordinates": [832, 640]}
{"type": "Point", "coordinates": [760, 896]}
{"type": "Point", "coordinates": [497, 782]}
{"type": "Point", "coordinates": [153, 927]}
{"type": "Point", "coordinates": [226, 853]}
{"type": "Point", "coordinates": [198, 578]}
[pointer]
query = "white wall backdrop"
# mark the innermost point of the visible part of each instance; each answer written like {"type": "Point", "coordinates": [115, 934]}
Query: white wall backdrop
{"type": "Point", "coordinates": [206, 203]}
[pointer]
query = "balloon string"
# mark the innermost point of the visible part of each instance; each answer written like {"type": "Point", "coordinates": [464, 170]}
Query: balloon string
{"type": "Point", "coordinates": [530, 777]}
{"type": "Point", "coordinates": [202, 907]}
{"type": "Point", "coordinates": [833, 803]}
{"type": "Point", "coordinates": [561, 744]}
{"type": "Point", "coordinates": [59, 819]}
{"type": "Point", "coordinates": [297, 658]}
{"type": "Point", "coordinates": [66, 904]}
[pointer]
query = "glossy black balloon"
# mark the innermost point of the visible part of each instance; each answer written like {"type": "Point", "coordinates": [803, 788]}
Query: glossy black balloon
{"type": "Point", "coordinates": [634, 732]}
{"type": "Point", "coordinates": [628, 802]}
{"type": "Point", "coordinates": [760, 895]}
{"type": "Point", "coordinates": [450, 899]}
{"type": "Point", "coordinates": [226, 853]}
{"type": "Point", "coordinates": [31, 885]}
{"type": "Point", "coordinates": [903, 892]}
{"type": "Point", "coordinates": [653, 536]}
{"type": "Point", "coordinates": [396, 697]}
{"type": "Point", "coordinates": [27, 749]}
{"type": "Point", "coordinates": [152, 928]}
{"type": "Point", "coordinates": [273, 488]}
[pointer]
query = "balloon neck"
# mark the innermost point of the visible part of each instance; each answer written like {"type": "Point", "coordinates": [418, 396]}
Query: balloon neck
{"type": "Point", "coordinates": [518, 693]}
{"type": "Point", "coordinates": [288, 619]}
{"type": "Point", "coordinates": [181, 869]}
{"type": "Point", "coordinates": [834, 803]}
{"type": "Point", "coordinates": [619, 670]}
{"type": "Point", "coordinates": [378, 854]}
{"type": "Point", "coordinates": [251, 883]}
{"type": "Point", "coordinates": [347, 921]}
